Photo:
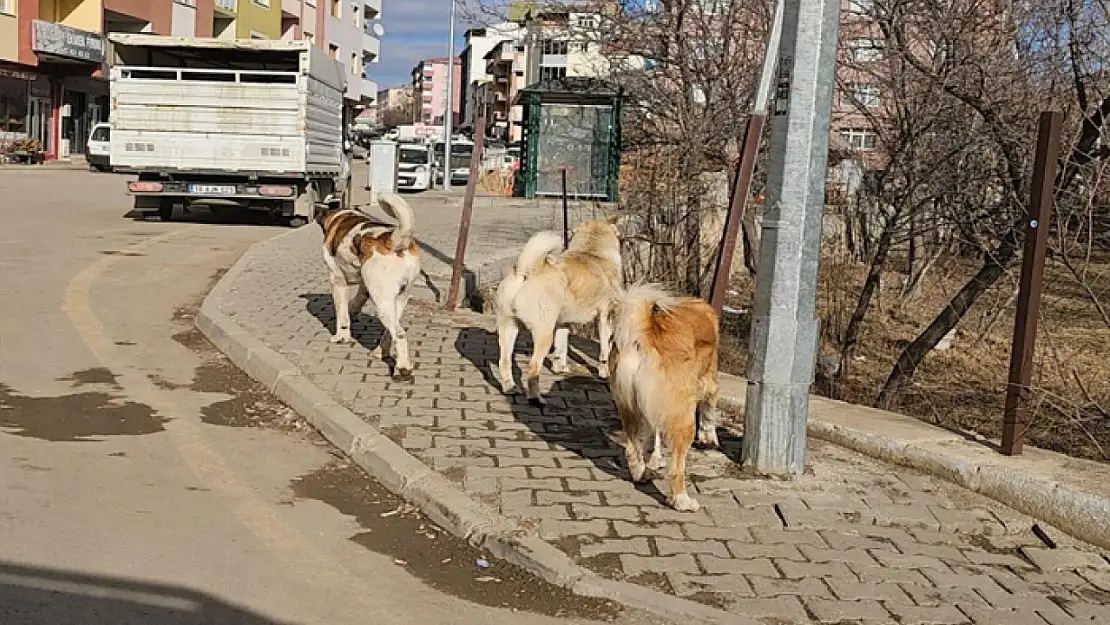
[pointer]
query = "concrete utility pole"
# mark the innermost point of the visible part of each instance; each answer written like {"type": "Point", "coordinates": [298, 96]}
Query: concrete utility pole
{"type": "Point", "coordinates": [784, 324]}
{"type": "Point", "coordinates": [449, 113]}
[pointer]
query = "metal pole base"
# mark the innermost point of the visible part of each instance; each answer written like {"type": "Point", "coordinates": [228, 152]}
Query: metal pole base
{"type": "Point", "coordinates": [775, 443]}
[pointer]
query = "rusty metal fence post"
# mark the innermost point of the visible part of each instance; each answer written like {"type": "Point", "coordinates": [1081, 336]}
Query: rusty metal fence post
{"type": "Point", "coordinates": [1016, 416]}
{"type": "Point", "coordinates": [467, 212]}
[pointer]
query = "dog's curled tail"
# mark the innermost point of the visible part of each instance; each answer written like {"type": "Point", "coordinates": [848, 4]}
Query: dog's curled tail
{"type": "Point", "coordinates": [399, 209]}
{"type": "Point", "coordinates": [537, 250]}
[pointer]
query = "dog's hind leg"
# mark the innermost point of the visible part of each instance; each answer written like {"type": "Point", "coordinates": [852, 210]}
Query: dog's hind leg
{"type": "Point", "coordinates": [506, 341]}
{"type": "Point", "coordinates": [542, 339]}
{"type": "Point", "coordinates": [680, 434]}
{"type": "Point", "coordinates": [389, 306]}
{"type": "Point", "coordinates": [636, 435]}
{"type": "Point", "coordinates": [341, 295]}
{"type": "Point", "coordinates": [709, 416]}
{"type": "Point", "coordinates": [656, 462]}
{"type": "Point", "coordinates": [605, 341]}
{"type": "Point", "coordinates": [562, 344]}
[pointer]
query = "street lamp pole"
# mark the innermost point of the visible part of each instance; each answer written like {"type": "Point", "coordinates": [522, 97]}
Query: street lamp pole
{"type": "Point", "coordinates": [449, 111]}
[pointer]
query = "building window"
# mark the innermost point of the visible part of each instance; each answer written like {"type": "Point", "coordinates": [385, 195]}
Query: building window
{"type": "Point", "coordinates": [336, 8]}
{"type": "Point", "coordinates": [860, 7]}
{"type": "Point", "coordinates": [262, 3]}
{"type": "Point", "coordinates": [585, 21]}
{"type": "Point", "coordinates": [553, 73]}
{"type": "Point", "coordinates": [13, 106]}
{"type": "Point", "coordinates": [333, 51]}
{"type": "Point", "coordinates": [863, 50]}
{"type": "Point", "coordinates": [355, 69]}
{"type": "Point", "coordinates": [554, 47]}
{"type": "Point", "coordinates": [859, 138]}
{"type": "Point", "coordinates": [578, 46]}
{"type": "Point", "coordinates": [863, 95]}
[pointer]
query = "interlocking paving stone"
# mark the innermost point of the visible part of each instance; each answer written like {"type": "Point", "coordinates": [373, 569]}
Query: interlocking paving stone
{"type": "Point", "coordinates": [854, 540]}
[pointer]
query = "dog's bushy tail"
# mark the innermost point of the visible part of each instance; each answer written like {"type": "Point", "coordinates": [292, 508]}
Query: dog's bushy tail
{"type": "Point", "coordinates": [633, 312]}
{"type": "Point", "coordinates": [537, 250]}
{"type": "Point", "coordinates": [399, 209]}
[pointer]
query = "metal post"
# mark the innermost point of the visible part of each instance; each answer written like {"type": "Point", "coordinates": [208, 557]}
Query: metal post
{"type": "Point", "coordinates": [449, 113]}
{"type": "Point", "coordinates": [784, 325]}
{"type": "Point", "coordinates": [742, 181]}
{"type": "Point", "coordinates": [566, 224]}
{"type": "Point", "coordinates": [1016, 415]}
{"type": "Point", "coordinates": [468, 211]}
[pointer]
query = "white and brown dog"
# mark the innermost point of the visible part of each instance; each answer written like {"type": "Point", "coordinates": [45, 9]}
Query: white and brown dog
{"type": "Point", "coordinates": [548, 289]}
{"type": "Point", "coordinates": [376, 261]}
{"type": "Point", "coordinates": [663, 367]}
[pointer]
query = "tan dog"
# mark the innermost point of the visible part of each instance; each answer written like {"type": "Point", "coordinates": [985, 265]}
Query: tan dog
{"type": "Point", "coordinates": [375, 261]}
{"type": "Point", "coordinates": [663, 366]}
{"type": "Point", "coordinates": [547, 289]}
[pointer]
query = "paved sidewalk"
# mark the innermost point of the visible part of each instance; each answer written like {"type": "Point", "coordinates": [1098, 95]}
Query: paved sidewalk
{"type": "Point", "coordinates": [855, 541]}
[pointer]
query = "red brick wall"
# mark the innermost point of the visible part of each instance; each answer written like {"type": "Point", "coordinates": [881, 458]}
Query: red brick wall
{"type": "Point", "coordinates": [28, 12]}
{"type": "Point", "coordinates": [205, 12]}
{"type": "Point", "coordinates": [158, 12]}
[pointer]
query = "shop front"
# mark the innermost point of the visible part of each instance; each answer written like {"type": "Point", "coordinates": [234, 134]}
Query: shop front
{"type": "Point", "coordinates": [71, 61]}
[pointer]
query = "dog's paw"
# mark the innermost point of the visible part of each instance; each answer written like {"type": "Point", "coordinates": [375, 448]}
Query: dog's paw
{"type": "Point", "coordinates": [342, 338]}
{"type": "Point", "coordinates": [685, 503]}
{"type": "Point", "coordinates": [638, 473]}
{"type": "Point", "coordinates": [403, 375]}
{"type": "Point", "coordinates": [603, 371]}
{"type": "Point", "coordinates": [707, 438]}
{"type": "Point", "coordinates": [657, 462]}
{"type": "Point", "coordinates": [538, 401]}
{"type": "Point", "coordinates": [560, 368]}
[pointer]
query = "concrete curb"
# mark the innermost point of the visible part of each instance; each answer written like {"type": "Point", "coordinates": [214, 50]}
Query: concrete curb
{"type": "Point", "coordinates": [405, 475]}
{"type": "Point", "coordinates": [1080, 514]}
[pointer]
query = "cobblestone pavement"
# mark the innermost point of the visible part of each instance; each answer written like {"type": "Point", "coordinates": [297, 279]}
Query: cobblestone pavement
{"type": "Point", "coordinates": [855, 541]}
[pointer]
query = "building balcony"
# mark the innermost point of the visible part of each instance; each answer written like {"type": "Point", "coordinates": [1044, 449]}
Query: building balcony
{"type": "Point", "coordinates": [369, 89]}
{"type": "Point", "coordinates": [292, 8]}
{"type": "Point", "coordinates": [227, 7]}
{"type": "Point", "coordinates": [371, 47]}
{"type": "Point", "coordinates": [373, 9]}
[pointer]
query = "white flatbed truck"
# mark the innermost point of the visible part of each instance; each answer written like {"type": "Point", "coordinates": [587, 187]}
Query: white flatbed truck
{"type": "Point", "coordinates": [229, 124]}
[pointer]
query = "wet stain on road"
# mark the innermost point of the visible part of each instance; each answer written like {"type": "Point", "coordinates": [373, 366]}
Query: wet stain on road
{"type": "Point", "coordinates": [400, 531]}
{"type": "Point", "coordinates": [121, 253]}
{"type": "Point", "coordinates": [249, 404]}
{"type": "Point", "coordinates": [71, 418]}
{"type": "Point", "coordinates": [95, 375]}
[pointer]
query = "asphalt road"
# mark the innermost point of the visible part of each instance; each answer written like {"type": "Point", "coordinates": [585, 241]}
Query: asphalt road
{"type": "Point", "coordinates": [143, 479]}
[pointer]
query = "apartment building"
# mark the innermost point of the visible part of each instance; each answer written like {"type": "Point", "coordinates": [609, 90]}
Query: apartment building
{"type": "Point", "coordinates": [506, 65]}
{"type": "Point", "coordinates": [53, 53]}
{"type": "Point", "coordinates": [352, 35]}
{"type": "Point", "coordinates": [429, 90]}
{"type": "Point", "coordinates": [394, 106]}
{"type": "Point", "coordinates": [479, 41]}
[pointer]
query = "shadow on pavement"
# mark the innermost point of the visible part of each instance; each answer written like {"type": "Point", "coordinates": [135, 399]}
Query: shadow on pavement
{"type": "Point", "coordinates": [365, 328]}
{"type": "Point", "coordinates": [579, 416]}
{"type": "Point", "coordinates": [39, 596]}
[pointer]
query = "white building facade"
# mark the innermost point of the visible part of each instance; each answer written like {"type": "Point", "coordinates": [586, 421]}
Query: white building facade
{"type": "Point", "coordinates": [479, 43]}
{"type": "Point", "coordinates": [352, 35]}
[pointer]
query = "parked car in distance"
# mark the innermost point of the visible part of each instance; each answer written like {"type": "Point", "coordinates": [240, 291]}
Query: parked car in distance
{"type": "Point", "coordinates": [414, 166]}
{"type": "Point", "coordinates": [98, 148]}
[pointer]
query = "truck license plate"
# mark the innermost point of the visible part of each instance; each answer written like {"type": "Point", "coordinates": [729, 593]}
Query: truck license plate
{"type": "Point", "coordinates": [212, 189]}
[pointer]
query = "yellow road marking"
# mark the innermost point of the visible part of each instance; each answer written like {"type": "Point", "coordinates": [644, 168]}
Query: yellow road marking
{"type": "Point", "coordinates": [189, 439]}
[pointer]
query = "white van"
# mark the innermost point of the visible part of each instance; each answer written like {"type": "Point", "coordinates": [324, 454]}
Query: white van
{"type": "Point", "coordinates": [414, 166]}
{"type": "Point", "coordinates": [98, 148]}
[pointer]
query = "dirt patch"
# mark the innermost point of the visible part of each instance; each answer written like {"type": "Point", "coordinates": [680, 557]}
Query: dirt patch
{"type": "Point", "coordinates": [79, 417]}
{"type": "Point", "coordinates": [961, 388]}
{"type": "Point", "coordinates": [399, 530]}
